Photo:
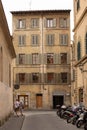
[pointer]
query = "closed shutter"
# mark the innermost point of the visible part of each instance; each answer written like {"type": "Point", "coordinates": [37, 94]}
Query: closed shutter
{"type": "Point", "coordinates": [17, 59]}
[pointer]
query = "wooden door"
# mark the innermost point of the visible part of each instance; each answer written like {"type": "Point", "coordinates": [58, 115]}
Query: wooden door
{"type": "Point", "coordinates": [24, 98]}
{"type": "Point", "coordinates": [38, 100]}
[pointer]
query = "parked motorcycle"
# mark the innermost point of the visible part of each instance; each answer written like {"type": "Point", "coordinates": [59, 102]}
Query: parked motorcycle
{"type": "Point", "coordinates": [75, 117]}
{"type": "Point", "coordinates": [82, 119]}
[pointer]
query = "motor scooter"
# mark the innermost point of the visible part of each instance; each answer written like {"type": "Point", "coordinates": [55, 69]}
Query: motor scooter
{"type": "Point", "coordinates": [82, 119]}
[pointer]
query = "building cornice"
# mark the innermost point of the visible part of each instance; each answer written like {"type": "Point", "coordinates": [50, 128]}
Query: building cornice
{"type": "Point", "coordinates": [80, 19]}
{"type": "Point", "coordinates": [5, 29]}
{"type": "Point", "coordinates": [40, 11]}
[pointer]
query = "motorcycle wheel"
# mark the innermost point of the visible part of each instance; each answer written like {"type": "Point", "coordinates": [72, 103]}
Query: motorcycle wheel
{"type": "Point", "coordinates": [74, 121]}
{"type": "Point", "coordinates": [69, 120]}
{"type": "Point", "coordinates": [85, 126]}
{"type": "Point", "coordinates": [58, 113]}
{"type": "Point", "coordinates": [79, 123]}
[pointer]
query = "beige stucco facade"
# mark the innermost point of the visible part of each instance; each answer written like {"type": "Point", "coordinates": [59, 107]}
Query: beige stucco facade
{"type": "Point", "coordinates": [6, 55]}
{"type": "Point", "coordinates": [43, 93]}
{"type": "Point", "coordinates": [80, 52]}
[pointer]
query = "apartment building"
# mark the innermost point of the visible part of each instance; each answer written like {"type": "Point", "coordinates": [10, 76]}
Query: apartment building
{"type": "Point", "coordinates": [41, 40]}
{"type": "Point", "coordinates": [7, 53]}
{"type": "Point", "coordinates": [79, 91]}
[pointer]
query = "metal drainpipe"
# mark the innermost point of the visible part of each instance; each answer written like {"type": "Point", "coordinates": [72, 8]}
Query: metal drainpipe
{"type": "Point", "coordinates": [42, 52]}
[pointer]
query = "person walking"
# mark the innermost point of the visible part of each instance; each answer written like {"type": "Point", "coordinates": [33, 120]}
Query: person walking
{"type": "Point", "coordinates": [16, 107]}
{"type": "Point", "coordinates": [21, 106]}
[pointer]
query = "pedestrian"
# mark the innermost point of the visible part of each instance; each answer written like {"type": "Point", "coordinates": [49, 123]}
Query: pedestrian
{"type": "Point", "coordinates": [21, 107]}
{"type": "Point", "coordinates": [16, 107]}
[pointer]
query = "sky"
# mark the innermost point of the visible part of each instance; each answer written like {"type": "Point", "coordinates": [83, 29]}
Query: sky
{"type": "Point", "coordinates": [19, 5]}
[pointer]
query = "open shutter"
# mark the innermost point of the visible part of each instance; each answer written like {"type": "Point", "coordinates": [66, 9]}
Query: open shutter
{"type": "Point", "coordinates": [68, 78]}
{"type": "Point", "coordinates": [39, 60]}
{"type": "Point", "coordinates": [54, 22]}
{"type": "Point", "coordinates": [30, 58]}
{"type": "Point", "coordinates": [17, 78]}
{"type": "Point", "coordinates": [30, 77]}
{"type": "Point", "coordinates": [59, 59]}
{"type": "Point", "coordinates": [68, 22]}
{"type": "Point", "coordinates": [27, 78]}
{"type": "Point", "coordinates": [45, 59]}
{"type": "Point", "coordinates": [56, 58]}
{"type": "Point", "coordinates": [45, 21]}
{"type": "Point", "coordinates": [68, 58]}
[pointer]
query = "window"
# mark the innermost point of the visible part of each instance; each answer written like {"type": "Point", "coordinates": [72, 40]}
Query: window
{"type": "Point", "coordinates": [21, 40]}
{"type": "Point", "coordinates": [64, 22]}
{"type": "Point", "coordinates": [63, 39]}
{"type": "Point", "coordinates": [78, 51]}
{"type": "Point", "coordinates": [34, 40]}
{"type": "Point", "coordinates": [63, 57]}
{"type": "Point", "coordinates": [22, 78]}
{"type": "Point", "coordinates": [50, 77]}
{"type": "Point", "coordinates": [35, 77]}
{"type": "Point", "coordinates": [50, 22]}
{"type": "Point", "coordinates": [50, 58]}
{"type": "Point", "coordinates": [86, 43]}
{"type": "Point", "coordinates": [21, 23]}
{"type": "Point", "coordinates": [50, 39]}
{"type": "Point", "coordinates": [35, 58]}
{"type": "Point", "coordinates": [21, 58]}
{"type": "Point", "coordinates": [34, 22]}
{"type": "Point", "coordinates": [64, 77]}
